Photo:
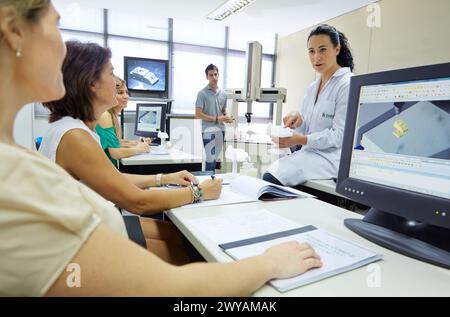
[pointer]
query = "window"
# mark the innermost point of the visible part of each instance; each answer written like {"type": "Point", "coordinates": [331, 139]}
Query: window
{"type": "Point", "coordinates": [83, 37]}
{"type": "Point", "coordinates": [189, 65]}
{"type": "Point", "coordinates": [238, 40]}
{"type": "Point", "coordinates": [195, 45]}
{"type": "Point", "coordinates": [78, 18]}
{"type": "Point", "coordinates": [138, 25]}
{"type": "Point", "coordinates": [205, 34]}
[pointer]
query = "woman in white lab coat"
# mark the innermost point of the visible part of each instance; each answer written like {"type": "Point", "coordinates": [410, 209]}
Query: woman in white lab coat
{"type": "Point", "coordinates": [319, 125]}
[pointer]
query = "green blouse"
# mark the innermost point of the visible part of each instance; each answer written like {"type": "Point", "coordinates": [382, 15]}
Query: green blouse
{"type": "Point", "coordinates": [108, 139]}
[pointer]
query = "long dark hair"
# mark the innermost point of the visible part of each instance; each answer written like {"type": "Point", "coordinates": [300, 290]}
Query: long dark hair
{"type": "Point", "coordinates": [345, 58]}
{"type": "Point", "coordinates": [83, 65]}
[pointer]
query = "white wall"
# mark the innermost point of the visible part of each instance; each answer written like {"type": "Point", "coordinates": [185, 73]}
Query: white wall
{"type": "Point", "coordinates": [411, 33]}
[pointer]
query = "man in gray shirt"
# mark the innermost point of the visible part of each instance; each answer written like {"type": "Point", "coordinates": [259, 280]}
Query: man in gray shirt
{"type": "Point", "coordinates": [211, 108]}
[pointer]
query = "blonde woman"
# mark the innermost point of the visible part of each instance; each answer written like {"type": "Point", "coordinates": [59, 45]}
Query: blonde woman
{"type": "Point", "coordinates": [108, 128]}
{"type": "Point", "coordinates": [49, 220]}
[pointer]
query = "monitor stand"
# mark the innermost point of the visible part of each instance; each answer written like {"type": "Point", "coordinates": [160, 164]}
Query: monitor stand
{"type": "Point", "coordinates": [420, 241]}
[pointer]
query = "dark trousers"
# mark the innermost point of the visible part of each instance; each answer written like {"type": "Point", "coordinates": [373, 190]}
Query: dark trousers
{"type": "Point", "coordinates": [213, 143]}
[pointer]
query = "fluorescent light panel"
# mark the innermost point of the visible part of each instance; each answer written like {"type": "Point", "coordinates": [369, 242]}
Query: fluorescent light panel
{"type": "Point", "coordinates": [228, 8]}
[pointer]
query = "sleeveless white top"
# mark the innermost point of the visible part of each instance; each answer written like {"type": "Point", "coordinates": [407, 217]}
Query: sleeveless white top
{"type": "Point", "coordinates": [56, 131]}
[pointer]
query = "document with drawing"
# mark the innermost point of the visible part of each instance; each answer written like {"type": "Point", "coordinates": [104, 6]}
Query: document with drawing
{"type": "Point", "coordinates": [241, 189]}
{"type": "Point", "coordinates": [261, 229]}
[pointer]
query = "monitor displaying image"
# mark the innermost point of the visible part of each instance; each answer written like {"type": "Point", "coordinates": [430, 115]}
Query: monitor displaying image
{"type": "Point", "coordinates": [146, 77]}
{"type": "Point", "coordinates": [402, 136]}
{"type": "Point", "coordinates": [150, 119]}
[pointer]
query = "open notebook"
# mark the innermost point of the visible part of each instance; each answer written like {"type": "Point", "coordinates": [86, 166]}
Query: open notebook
{"type": "Point", "coordinates": [242, 235]}
{"type": "Point", "coordinates": [242, 188]}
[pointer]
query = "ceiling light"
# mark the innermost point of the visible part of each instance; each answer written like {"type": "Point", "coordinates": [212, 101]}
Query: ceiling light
{"type": "Point", "coordinates": [228, 8]}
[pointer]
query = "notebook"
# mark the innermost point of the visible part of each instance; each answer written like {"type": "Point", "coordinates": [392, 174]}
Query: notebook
{"type": "Point", "coordinates": [242, 189]}
{"type": "Point", "coordinates": [337, 254]}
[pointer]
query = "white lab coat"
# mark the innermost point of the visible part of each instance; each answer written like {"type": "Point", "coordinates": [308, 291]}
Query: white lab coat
{"type": "Point", "coordinates": [323, 124]}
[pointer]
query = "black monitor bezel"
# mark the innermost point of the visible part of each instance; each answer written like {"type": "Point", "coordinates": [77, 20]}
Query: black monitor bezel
{"type": "Point", "coordinates": [162, 123]}
{"type": "Point", "coordinates": [411, 205]}
{"type": "Point", "coordinates": [142, 92]}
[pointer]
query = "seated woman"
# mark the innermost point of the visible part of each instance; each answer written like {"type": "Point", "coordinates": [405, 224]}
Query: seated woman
{"type": "Point", "coordinates": [320, 122]}
{"type": "Point", "coordinates": [108, 129]}
{"type": "Point", "coordinates": [72, 143]}
{"type": "Point", "coordinates": [52, 224]}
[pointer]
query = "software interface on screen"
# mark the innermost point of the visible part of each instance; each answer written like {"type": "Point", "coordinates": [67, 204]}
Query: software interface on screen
{"type": "Point", "coordinates": [146, 75]}
{"type": "Point", "coordinates": [149, 119]}
{"type": "Point", "coordinates": [402, 136]}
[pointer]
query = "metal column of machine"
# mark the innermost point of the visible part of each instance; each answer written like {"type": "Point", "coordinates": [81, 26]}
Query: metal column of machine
{"type": "Point", "coordinates": [252, 90]}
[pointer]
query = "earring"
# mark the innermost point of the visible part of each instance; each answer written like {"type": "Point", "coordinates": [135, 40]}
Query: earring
{"type": "Point", "coordinates": [18, 52]}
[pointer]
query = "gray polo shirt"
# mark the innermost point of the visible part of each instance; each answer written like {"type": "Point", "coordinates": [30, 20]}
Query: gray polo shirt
{"type": "Point", "coordinates": [213, 104]}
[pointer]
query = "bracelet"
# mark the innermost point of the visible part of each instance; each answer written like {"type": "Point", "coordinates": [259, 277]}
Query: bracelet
{"type": "Point", "coordinates": [158, 180]}
{"type": "Point", "coordinates": [192, 193]}
{"type": "Point", "coordinates": [197, 194]}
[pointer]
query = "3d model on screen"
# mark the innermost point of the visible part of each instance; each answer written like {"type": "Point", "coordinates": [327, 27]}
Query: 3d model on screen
{"type": "Point", "coordinates": [144, 75]}
{"type": "Point", "coordinates": [407, 128]}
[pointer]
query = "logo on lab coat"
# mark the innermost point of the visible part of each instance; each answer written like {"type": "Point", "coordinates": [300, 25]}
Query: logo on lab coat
{"type": "Point", "coordinates": [327, 115]}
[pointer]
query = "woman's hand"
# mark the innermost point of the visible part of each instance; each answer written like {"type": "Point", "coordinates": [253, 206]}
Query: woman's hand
{"type": "Point", "coordinates": [147, 140]}
{"type": "Point", "coordinates": [295, 139]}
{"type": "Point", "coordinates": [142, 147]}
{"type": "Point", "coordinates": [211, 188]}
{"type": "Point", "coordinates": [179, 178]}
{"type": "Point", "coordinates": [293, 120]}
{"type": "Point", "coordinates": [292, 258]}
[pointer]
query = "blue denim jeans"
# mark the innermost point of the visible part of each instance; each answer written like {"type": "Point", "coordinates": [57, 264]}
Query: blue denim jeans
{"type": "Point", "coordinates": [213, 143]}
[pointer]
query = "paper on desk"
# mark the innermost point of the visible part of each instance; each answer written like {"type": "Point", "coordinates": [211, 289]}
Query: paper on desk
{"type": "Point", "coordinates": [237, 226]}
{"type": "Point", "coordinates": [337, 255]}
{"type": "Point", "coordinates": [227, 197]}
{"type": "Point", "coordinates": [227, 178]}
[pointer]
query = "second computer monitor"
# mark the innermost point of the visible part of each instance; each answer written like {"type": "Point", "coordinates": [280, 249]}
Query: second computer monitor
{"type": "Point", "coordinates": [150, 119]}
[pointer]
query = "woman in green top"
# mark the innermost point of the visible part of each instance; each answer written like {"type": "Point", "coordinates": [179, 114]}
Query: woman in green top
{"type": "Point", "coordinates": [109, 130]}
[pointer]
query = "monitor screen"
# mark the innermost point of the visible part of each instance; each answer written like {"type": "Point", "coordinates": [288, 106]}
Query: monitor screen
{"type": "Point", "coordinates": [146, 77]}
{"type": "Point", "coordinates": [396, 159]}
{"type": "Point", "coordinates": [402, 136]}
{"type": "Point", "coordinates": [150, 119]}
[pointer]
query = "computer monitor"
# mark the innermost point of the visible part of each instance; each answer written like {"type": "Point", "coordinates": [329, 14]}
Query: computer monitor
{"type": "Point", "coordinates": [396, 159]}
{"type": "Point", "coordinates": [146, 77]}
{"type": "Point", "coordinates": [150, 119]}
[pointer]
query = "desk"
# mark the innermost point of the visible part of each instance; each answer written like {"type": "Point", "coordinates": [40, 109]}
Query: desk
{"type": "Point", "coordinates": [399, 275]}
{"type": "Point", "coordinates": [149, 163]}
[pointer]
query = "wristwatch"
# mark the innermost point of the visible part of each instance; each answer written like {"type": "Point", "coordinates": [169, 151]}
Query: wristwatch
{"type": "Point", "coordinates": [197, 194]}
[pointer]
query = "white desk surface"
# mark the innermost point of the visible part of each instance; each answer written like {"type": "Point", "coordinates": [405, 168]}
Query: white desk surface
{"type": "Point", "coordinates": [174, 157]}
{"type": "Point", "coordinates": [399, 275]}
{"type": "Point", "coordinates": [324, 185]}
